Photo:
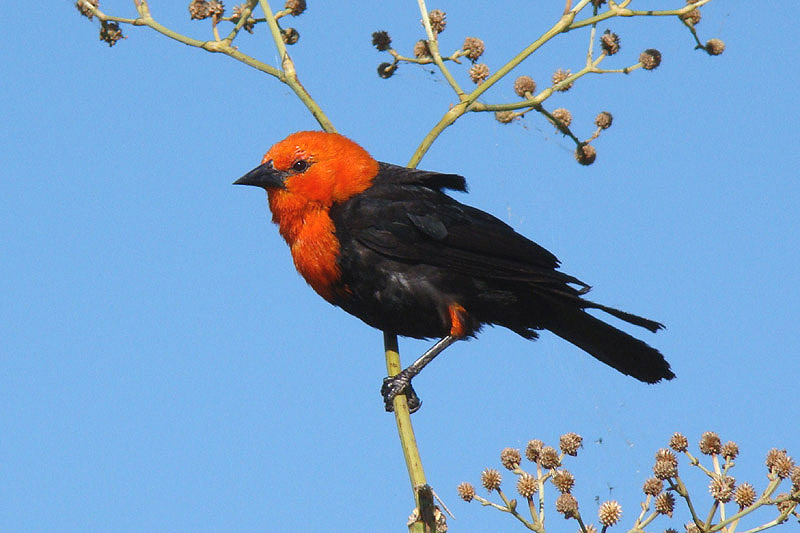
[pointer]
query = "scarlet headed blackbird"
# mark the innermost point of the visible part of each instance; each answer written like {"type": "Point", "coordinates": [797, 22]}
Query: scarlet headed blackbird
{"type": "Point", "coordinates": [389, 246]}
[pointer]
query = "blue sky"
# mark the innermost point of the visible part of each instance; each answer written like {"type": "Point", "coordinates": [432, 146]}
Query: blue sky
{"type": "Point", "coordinates": [164, 368]}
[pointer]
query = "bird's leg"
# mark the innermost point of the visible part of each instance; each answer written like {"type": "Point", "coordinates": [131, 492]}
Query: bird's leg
{"type": "Point", "coordinates": [400, 383]}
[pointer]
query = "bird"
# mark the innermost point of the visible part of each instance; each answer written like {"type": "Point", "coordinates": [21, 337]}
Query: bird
{"type": "Point", "coordinates": [389, 245]}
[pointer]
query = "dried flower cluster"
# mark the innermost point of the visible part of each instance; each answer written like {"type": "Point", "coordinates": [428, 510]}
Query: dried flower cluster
{"type": "Point", "coordinates": [546, 464]}
{"type": "Point", "coordinates": [381, 41]}
{"type": "Point", "coordinates": [609, 42]}
{"type": "Point", "coordinates": [85, 10]}
{"type": "Point", "coordinates": [650, 59]}
{"type": "Point", "coordinates": [110, 32]}
{"type": "Point", "coordinates": [560, 76]}
{"type": "Point", "coordinates": [438, 20]}
{"type": "Point", "coordinates": [238, 11]}
{"type": "Point", "coordinates": [665, 494]}
{"type": "Point", "coordinates": [478, 73]}
{"type": "Point", "coordinates": [295, 7]}
{"type": "Point", "coordinates": [524, 86]}
{"type": "Point", "coordinates": [562, 80]}
{"type": "Point", "coordinates": [473, 48]}
{"type": "Point", "coordinates": [422, 53]}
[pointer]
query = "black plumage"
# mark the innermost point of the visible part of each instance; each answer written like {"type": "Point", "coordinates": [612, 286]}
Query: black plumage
{"type": "Point", "coordinates": [408, 252]}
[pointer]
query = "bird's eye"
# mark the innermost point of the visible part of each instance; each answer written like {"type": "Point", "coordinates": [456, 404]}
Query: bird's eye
{"type": "Point", "coordinates": [300, 165]}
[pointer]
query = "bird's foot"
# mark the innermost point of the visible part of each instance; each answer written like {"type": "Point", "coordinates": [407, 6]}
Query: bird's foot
{"type": "Point", "coordinates": [399, 384]}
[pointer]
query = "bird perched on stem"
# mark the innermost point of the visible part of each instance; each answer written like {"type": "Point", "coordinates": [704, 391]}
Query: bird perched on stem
{"type": "Point", "coordinates": [389, 246]}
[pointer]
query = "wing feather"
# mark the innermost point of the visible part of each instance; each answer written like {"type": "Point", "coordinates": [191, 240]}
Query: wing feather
{"type": "Point", "coordinates": [420, 224]}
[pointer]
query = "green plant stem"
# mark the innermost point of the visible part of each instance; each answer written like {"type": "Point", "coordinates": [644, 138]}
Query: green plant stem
{"type": "Point", "coordinates": [468, 100]}
{"type": "Point", "coordinates": [243, 17]}
{"type": "Point", "coordinates": [289, 73]}
{"type": "Point", "coordinates": [286, 75]}
{"type": "Point", "coordinates": [680, 488]}
{"type": "Point", "coordinates": [763, 500]}
{"type": "Point", "coordinates": [512, 509]}
{"type": "Point", "coordinates": [402, 417]}
{"type": "Point", "coordinates": [433, 46]}
{"type": "Point", "coordinates": [711, 513]}
{"type": "Point", "coordinates": [620, 10]}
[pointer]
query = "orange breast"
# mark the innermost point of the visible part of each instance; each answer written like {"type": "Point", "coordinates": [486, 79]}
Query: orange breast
{"type": "Point", "coordinates": [311, 236]}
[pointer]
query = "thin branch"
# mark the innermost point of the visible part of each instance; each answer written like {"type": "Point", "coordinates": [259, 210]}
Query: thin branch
{"type": "Point", "coordinates": [621, 11]}
{"type": "Point", "coordinates": [433, 46]}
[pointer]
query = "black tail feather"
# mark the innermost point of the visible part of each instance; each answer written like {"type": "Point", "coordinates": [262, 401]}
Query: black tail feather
{"type": "Point", "coordinates": [610, 345]}
{"type": "Point", "coordinates": [636, 320]}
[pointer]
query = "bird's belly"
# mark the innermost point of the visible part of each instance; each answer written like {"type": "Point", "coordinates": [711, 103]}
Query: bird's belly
{"type": "Point", "coordinates": [400, 302]}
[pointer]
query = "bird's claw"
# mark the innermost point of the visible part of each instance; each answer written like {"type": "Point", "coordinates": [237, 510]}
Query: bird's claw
{"type": "Point", "coordinates": [399, 384]}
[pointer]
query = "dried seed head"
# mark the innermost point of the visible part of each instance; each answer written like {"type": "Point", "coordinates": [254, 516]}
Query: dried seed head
{"type": "Point", "coordinates": [533, 450]}
{"type": "Point", "coordinates": [295, 7]}
{"type": "Point", "coordinates": [710, 443]}
{"type": "Point", "coordinates": [729, 450]}
{"type": "Point", "coordinates": [478, 73]}
{"type": "Point", "coordinates": [85, 11]}
{"type": "Point", "coordinates": [563, 480]}
{"type": "Point", "coordinates": [653, 486]}
{"type": "Point", "coordinates": [787, 505]}
{"type": "Point", "coordinates": [570, 442]}
{"type": "Point", "coordinates": [590, 528]}
{"type": "Point", "coordinates": [795, 475]}
{"type": "Point", "coordinates": [421, 49]}
{"type": "Point", "coordinates": [381, 40]}
{"type": "Point", "coordinates": [715, 47]}
{"type": "Point", "coordinates": [524, 85]}
{"type": "Point", "coordinates": [670, 530]}
{"type": "Point", "coordinates": [650, 59]}
{"type": "Point", "coordinates": [473, 47]}
{"type": "Point", "coordinates": [609, 42]}
{"type": "Point", "coordinates": [567, 505]}
{"type": "Point", "coordinates": [490, 479]}
{"type": "Point", "coordinates": [603, 120]}
{"type": "Point", "coordinates": [744, 495]}
{"type": "Point", "coordinates": [110, 32]}
{"type": "Point", "coordinates": [779, 463]}
{"type": "Point", "coordinates": [598, 3]}
{"type": "Point", "coordinates": [290, 35]}
{"type": "Point", "coordinates": [691, 527]}
{"type": "Point", "coordinates": [216, 9]}
{"type": "Point", "coordinates": [549, 457]}
{"type": "Point", "coordinates": [438, 20]}
{"type": "Point", "coordinates": [692, 17]}
{"type": "Point", "coordinates": [198, 9]}
{"type": "Point", "coordinates": [441, 520]}
{"type": "Point", "coordinates": [504, 117]}
{"type": "Point", "coordinates": [585, 154]}
{"type": "Point", "coordinates": [721, 488]}
{"type": "Point", "coordinates": [559, 76]}
{"type": "Point", "coordinates": [665, 470]}
{"type": "Point", "coordinates": [678, 442]}
{"type": "Point", "coordinates": [527, 485]}
{"type": "Point", "coordinates": [237, 15]}
{"type": "Point", "coordinates": [385, 70]}
{"type": "Point", "coordinates": [665, 503]}
{"type": "Point", "coordinates": [466, 491]}
{"type": "Point", "coordinates": [510, 457]}
{"type": "Point", "coordinates": [564, 118]}
{"type": "Point", "coordinates": [665, 454]}
{"type": "Point", "coordinates": [609, 513]}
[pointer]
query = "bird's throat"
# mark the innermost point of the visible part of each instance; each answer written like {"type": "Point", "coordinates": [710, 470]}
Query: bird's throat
{"type": "Point", "coordinates": [311, 236]}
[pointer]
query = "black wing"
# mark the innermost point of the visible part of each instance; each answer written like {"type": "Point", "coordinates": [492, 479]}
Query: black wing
{"type": "Point", "coordinates": [389, 174]}
{"type": "Point", "coordinates": [407, 217]}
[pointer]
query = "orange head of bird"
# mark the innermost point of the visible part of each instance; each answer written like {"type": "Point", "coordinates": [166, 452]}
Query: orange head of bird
{"type": "Point", "coordinates": [313, 168]}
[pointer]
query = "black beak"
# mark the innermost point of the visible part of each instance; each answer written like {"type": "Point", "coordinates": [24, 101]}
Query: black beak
{"type": "Point", "coordinates": [264, 176]}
